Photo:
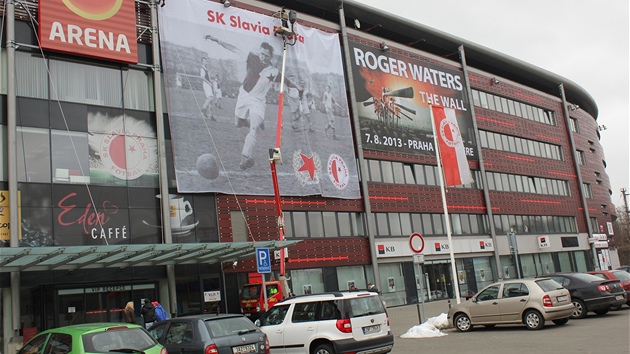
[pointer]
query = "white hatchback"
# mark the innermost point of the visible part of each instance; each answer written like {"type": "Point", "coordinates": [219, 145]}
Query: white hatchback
{"type": "Point", "coordinates": [328, 323]}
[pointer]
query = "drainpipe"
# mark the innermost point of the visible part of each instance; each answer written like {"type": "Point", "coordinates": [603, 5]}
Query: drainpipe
{"type": "Point", "coordinates": [163, 173]}
{"type": "Point", "coordinates": [482, 167]}
{"type": "Point", "coordinates": [362, 164]}
{"type": "Point", "coordinates": [576, 165]}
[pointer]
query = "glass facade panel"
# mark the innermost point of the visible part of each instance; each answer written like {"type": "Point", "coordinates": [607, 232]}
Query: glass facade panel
{"type": "Point", "coordinates": [30, 69]}
{"type": "Point", "coordinates": [33, 153]}
{"type": "Point", "coordinates": [88, 84]}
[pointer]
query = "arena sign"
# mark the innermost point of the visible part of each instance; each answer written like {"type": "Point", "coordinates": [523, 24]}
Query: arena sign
{"type": "Point", "coordinates": [222, 70]}
{"type": "Point", "coordinates": [393, 93]}
{"type": "Point", "coordinates": [103, 29]}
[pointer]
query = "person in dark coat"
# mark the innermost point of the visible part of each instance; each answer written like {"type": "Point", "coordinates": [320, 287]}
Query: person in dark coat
{"type": "Point", "coordinates": [372, 288]}
{"type": "Point", "coordinates": [148, 313]}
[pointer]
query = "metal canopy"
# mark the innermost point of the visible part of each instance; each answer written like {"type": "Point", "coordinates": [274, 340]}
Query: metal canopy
{"type": "Point", "coordinates": [30, 259]}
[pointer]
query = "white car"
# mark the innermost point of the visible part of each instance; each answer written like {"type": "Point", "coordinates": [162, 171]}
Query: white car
{"type": "Point", "coordinates": [328, 323]}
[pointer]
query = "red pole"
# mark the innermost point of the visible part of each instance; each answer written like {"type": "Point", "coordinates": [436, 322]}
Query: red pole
{"type": "Point", "coordinates": [273, 162]}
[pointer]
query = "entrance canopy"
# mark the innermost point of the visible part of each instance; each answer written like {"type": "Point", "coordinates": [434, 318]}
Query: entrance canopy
{"type": "Point", "coordinates": [28, 259]}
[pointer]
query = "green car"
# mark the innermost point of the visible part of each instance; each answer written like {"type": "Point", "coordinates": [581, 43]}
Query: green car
{"type": "Point", "coordinates": [94, 338]}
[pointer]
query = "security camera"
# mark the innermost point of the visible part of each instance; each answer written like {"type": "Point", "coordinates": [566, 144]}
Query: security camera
{"type": "Point", "coordinates": [234, 264]}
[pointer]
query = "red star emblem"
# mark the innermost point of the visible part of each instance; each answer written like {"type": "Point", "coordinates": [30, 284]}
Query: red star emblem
{"type": "Point", "coordinates": [308, 165]}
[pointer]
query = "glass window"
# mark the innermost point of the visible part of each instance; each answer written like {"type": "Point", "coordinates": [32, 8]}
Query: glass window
{"type": "Point", "coordinates": [300, 224]}
{"type": "Point", "coordinates": [386, 169]}
{"type": "Point", "coordinates": [511, 108]}
{"type": "Point", "coordinates": [491, 103]}
{"type": "Point", "coordinates": [504, 143]}
{"type": "Point", "coordinates": [330, 224]}
{"type": "Point", "coordinates": [409, 177]}
{"type": "Point", "coordinates": [483, 138]}
{"type": "Point", "coordinates": [375, 171]}
{"type": "Point", "coordinates": [430, 174]}
{"type": "Point", "coordinates": [316, 224]}
{"type": "Point", "coordinates": [504, 104]}
{"type": "Point", "coordinates": [427, 225]}
{"type": "Point", "coordinates": [475, 95]}
{"type": "Point", "coordinates": [517, 108]}
{"type": "Point", "coordinates": [438, 224]}
{"type": "Point", "coordinates": [382, 228]}
{"type": "Point", "coordinates": [490, 177]}
{"type": "Point", "coordinates": [512, 144]}
{"type": "Point", "coordinates": [519, 145]}
{"type": "Point", "coordinates": [405, 222]}
{"type": "Point", "coordinates": [519, 183]}
{"type": "Point", "coordinates": [419, 172]}
{"type": "Point", "coordinates": [138, 89]}
{"type": "Point", "coordinates": [394, 224]}
{"type": "Point", "coordinates": [397, 169]}
{"type": "Point", "coordinates": [416, 223]}
{"type": "Point", "coordinates": [474, 224]}
{"type": "Point", "coordinates": [499, 182]}
{"type": "Point", "coordinates": [87, 84]}
{"type": "Point", "coordinates": [456, 224]}
{"type": "Point", "coordinates": [357, 224]}
{"type": "Point", "coordinates": [483, 99]}
{"type": "Point", "coordinates": [497, 103]}
{"type": "Point", "coordinates": [31, 75]}
{"type": "Point", "coordinates": [512, 183]}
{"type": "Point", "coordinates": [33, 153]}
{"type": "Point", "coordinates": [344, 224]}
{"type": "Point", "coordinates": [70, 157]}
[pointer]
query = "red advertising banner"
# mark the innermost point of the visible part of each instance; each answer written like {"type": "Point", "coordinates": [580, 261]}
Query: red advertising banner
{"type": "Point", "coordinates": [102, 29]}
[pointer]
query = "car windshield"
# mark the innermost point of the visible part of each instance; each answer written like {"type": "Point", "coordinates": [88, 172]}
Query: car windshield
{"type": "Point", "coordinates": [221, 327]}
{"type": "Point", "coordinates": [251, 291]}
{"type": "Point", "coordinates": [119, 340]}
{"type": "Point", "coordinates": [548, 284]}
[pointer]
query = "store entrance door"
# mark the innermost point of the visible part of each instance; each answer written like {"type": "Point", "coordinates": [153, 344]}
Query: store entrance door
{"type": "Point", "coordinates": [440, 280]}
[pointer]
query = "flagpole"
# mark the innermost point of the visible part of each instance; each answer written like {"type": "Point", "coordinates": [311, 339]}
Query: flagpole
{"type": "Point", "coordinates": [447, 220]}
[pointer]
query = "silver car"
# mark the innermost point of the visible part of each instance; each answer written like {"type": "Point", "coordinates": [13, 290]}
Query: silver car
{"type": "Point", "coordinates": [527, 301]}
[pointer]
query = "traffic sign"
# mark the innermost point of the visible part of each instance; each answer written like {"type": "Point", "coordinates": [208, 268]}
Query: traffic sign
{"type": "Point", "coordinates": [416, 243]}
{"type": "Point", "coordinates": [263, 261]}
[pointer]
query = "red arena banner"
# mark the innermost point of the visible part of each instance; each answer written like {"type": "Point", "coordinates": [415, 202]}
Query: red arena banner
{"type": "Point", "coordinates": [102, 29]}
{"type": "Point", "coordinates": [222, 73]}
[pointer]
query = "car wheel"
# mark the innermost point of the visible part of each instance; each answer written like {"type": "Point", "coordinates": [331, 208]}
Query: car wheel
{"type": "Point", "coordinates": [462, 323]}
{"type": "Point", "coordinates": [533, 319]}
{"type": "Point", "coordinates": [324, 349]}
{"type": "Point", "coordinates": [561, 321]}
{"type": "Point", "coordinates": [579, 309]}
{"type": "Point", "coordinates": [601, 312]}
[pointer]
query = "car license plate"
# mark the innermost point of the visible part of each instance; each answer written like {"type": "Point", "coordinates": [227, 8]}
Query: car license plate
{"type": "Point", "coordinates": [619, 297]}
{"type": "Point", "coordinates": [562, 298]}
{"type": "Point", "coordinates": [250, 348]}
{"type": "Point", "coordinates": [371, 329]}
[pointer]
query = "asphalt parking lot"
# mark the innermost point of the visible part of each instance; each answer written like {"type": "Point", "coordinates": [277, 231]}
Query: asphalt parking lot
{"type": "Point", "coordinates": [594, 334]}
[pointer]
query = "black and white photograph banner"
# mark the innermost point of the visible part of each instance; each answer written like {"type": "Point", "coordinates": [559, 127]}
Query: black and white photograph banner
{"type": "Point", "coordinates": [222, 74]}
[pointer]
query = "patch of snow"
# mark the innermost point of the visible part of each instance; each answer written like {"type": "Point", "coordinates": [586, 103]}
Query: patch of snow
{"type": "Point", "coordinates": [429, 329]}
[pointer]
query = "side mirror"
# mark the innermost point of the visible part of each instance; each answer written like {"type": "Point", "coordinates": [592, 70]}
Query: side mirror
{"type": "Point", "coordinates": [257, 323]}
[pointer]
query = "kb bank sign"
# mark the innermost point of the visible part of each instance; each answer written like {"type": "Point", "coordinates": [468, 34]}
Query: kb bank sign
{"type": "Point", "coordinates": [96, 28]}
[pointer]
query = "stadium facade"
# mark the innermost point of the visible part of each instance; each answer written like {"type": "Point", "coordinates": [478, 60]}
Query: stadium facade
{"type": "Point", "coordinates": [100, 119]}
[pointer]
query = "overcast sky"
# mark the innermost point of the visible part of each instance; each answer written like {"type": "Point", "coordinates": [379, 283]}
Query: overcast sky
{"type": "Point", "coordinates": [585, 41]}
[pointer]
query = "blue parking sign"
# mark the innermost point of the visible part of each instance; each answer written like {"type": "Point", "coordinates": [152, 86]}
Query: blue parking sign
{"type": "Point", "coordinates": [263, 261]}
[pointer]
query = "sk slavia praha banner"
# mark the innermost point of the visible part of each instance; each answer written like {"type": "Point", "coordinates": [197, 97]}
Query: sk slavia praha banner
{"type": "Point", "coordinates": [393, 93]}
{"type": "Point", "coordinates": [222, 71]}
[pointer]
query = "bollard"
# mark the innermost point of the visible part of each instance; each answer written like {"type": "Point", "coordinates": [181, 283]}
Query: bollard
{"type": "Point", "coordinates": [419, 315]}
